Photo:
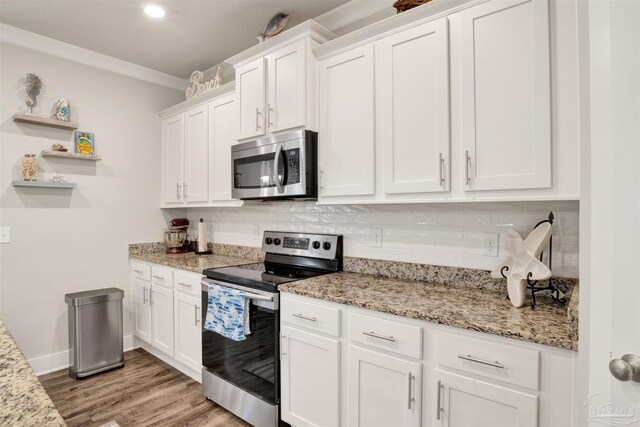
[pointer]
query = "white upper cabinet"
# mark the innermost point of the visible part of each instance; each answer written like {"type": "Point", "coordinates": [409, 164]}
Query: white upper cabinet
{"type": "Point", "coordinates": [172, 160]}
{"type": "Point", "coordinates": [287, 87]}
{"type": "Point", "coordinates": [276, 82]}
{"type": "Point", "coordinates": [250, 84]}
{"type": "Point", "coordinates": [347, 124]}
{"type": "Point", "coordinates": [413, 109]}
{"type": "Point", "coordinates": [505, 95]}
{"type": "Point", "coordinates": [196, 171]}
{"type": "Point", "coordinates": [223, 122]}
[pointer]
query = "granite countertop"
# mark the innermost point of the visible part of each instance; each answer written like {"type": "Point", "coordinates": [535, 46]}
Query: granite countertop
{"type": "Point", "coordinates": [190, 261]}
{"type": "Point", "coordinates": [476, 309]}
{"type": "Point", "coordinates": [23, 401]}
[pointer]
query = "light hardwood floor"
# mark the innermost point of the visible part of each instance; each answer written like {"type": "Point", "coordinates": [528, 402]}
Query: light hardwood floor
{"type": "Point", "coordinates": [145, 392]}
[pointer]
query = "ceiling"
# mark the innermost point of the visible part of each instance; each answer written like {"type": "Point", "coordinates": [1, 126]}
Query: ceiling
{"type": "Point", "coordinates": [194, 34]}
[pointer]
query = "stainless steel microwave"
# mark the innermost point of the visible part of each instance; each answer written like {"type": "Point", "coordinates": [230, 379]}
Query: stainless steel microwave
{"type": "Point", "coordinates": [277, 167]}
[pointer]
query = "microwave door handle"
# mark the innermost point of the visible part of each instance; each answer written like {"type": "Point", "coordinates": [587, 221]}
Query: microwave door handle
{"type": "Point", "coordinates": [276, 167]}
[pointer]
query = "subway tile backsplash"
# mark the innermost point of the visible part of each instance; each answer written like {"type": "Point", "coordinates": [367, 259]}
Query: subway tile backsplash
{"type": "Point", "coordinates": [441, 234]}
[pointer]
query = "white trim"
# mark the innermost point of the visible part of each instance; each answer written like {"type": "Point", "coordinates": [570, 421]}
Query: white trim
{"type": "Point", "coordinates": [196, 376]}
{"type": "Point", "coordinates": [59, 361]}
{"type": "Point", "coordinates": [49, 46]}
{"type": "Point", "coordinates": [352, 12]}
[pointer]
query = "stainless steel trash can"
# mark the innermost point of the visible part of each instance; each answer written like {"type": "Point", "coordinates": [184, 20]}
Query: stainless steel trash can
{"type": "Point", "coordinates": [95, 331]}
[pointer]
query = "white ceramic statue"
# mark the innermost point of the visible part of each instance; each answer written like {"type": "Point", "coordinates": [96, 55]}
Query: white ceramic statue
{"type": "Point", "coordinates": [63, 110]}
{"type": "Point", "coordinates": [524, 260]}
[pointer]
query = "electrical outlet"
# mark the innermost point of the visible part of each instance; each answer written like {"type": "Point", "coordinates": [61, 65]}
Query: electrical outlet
{"type": "Point", "coordinates": [491, 244]}
{"type": "Point", "coordinates": [376, 237]}
{"type": "Point", "coordinates": [5, 234]}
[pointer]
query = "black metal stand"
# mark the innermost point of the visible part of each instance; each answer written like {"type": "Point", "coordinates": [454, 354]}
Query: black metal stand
{"type": "Point", "coordinates": [533, 285]}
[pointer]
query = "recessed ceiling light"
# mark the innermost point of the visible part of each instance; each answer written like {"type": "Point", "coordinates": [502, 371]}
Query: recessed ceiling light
{"type": "Point", "coordinates": [154, 11]}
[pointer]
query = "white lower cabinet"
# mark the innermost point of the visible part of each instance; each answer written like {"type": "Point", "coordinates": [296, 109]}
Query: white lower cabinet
{"type": "Point", "coordinates": [141, 309]}
{"type": "Point", "coordinates": [187, 312]}
{"type": "Point", "coordinates": [465, 402]}
{"type": "Point", "coordinates": [161, 302]}
{"type": "Point", "coordinates": [309, 359]}
{"type": "Point", "coordinates": [382, 390]}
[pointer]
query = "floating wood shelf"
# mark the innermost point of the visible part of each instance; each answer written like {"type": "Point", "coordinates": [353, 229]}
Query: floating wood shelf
{"type": "Point", "coordinates": [41, 121]}
{"type": "Point", "coordinates": [67, 155]}
{"type": "Point", "coordinates": [44, 184]}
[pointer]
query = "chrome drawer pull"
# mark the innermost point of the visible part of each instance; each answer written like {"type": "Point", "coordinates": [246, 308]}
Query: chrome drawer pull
{"type": "Point", "coordinates": [188, 285]}
{"type": "Point", "coordinates": [158, 277]}
{"type": "Point", "coordinates": [439, 406]}
{"type": "Point", "coordinates": [302, 316]}
{"type": "Point", "coordinates": [470, 358]}
{"type": "Point", "coordinates": [137, 271]}
{"type": "Point", "coordinates": [195, 307]}
{"type": "Point", "coordinates": [382, 337]}
{"type": "Point", "coordinates": [411, 399]}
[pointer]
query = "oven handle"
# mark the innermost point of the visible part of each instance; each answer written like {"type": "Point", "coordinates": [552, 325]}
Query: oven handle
{"type": "Point", "coordinates": [247, 294]}
{"type": "Point", "coordinates": [276, 166]}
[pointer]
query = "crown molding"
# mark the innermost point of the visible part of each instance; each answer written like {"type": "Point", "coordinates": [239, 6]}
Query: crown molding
{"type": "Point", "coordinates": [352, 12]}
{"type": "Point", "coordinates": [57, 48]}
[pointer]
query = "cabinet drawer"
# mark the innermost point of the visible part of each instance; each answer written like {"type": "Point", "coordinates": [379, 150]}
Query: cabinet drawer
{"type": "Point", "coordinates": [514, 365]}
{"type": "Point", "coordinates": [162, 276]}
{"type": "Point", "coordinates": [187, 282]}
{"type": "Point", "coordinates": [310, 316]}
{"type": "Point", "coordinates": [140, 270]}
{"type": "Point", "coordinates": [397, 337]}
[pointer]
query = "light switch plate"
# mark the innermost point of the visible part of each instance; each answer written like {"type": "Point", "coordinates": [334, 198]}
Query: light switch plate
{"type": "Point", "coordinates": [5, 234]}
{"type": "Point", "coordinates": [491, 242]}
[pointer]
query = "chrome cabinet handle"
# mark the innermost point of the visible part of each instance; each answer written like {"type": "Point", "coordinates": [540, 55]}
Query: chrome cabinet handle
{"type": "Point", "coordinates": [282, 352]}
{"type": "Point", "coordinates": [441, 164]}
{"type": "Point", "coordinates": [137, 271]}
{"type": "Point", "coordinates": [269, 110]}
{"type": "Point", "coordinates": [196, 314]}
{"type": "Point", "coordinates": [188, 285]}
{"type": "Point", "coordinates": [382, 337]}
{"type": "Point", "coordinates": [467, 159]}
{"type": "Point", "coordinates": [185, 190]}
{"type": "Point", "coordinates": [178, 192]}
{"type": "Point", "coordinates": [321, 179]}
{"type": "Point", "coordinates": [302, 316]}
{"type": "Point", "coordinates": [158, 277]}
{"type": "Point", "coordinates": [258, 114]}
{"type": "Point", "coordinates": [276, 166]}
{"type": "Point", "coordinates": [411, 398]}
{"type": "Point", "coordinates": [439, 408]}
{"type": "Point", "coordinates": [626, 368]}
{"type": "Point", "coordinates": [150, 297]}
{"type": "Point", "coordinates": [144, 296]}
{"type": "Point", "coordinates": [470, 358]}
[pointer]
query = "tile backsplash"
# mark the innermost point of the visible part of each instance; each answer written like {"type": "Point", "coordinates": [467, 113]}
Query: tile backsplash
{"type": "Point", "coordinates": [450, 234]}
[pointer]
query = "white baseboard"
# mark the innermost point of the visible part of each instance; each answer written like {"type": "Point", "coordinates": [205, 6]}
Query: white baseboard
{"type": "Point", "coordinates": [59, 361]}
{"type": "Point", "coordinates": [195, 375]}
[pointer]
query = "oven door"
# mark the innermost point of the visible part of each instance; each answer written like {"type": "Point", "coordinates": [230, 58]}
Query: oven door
{"type": "Point", "coordinates": [283, 166]}
{"type": "Point", "coordinates": [252, 364]}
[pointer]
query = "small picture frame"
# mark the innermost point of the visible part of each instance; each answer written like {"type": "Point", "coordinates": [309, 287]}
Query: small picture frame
{"type": "Point", "coordinates": [84, 143]}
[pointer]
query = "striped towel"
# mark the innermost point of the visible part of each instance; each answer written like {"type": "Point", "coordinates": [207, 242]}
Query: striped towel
{"type": "Point", "coordinates": [228, 313]}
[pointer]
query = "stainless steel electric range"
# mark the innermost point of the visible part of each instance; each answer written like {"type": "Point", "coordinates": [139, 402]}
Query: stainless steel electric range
{"type": "Point", "coordinates": [244, 376]}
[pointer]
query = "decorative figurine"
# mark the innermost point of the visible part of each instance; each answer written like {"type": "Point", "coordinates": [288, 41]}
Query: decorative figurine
{"type": "Point", "coordinates": [58, 147]}
{"type": "Point", "coordinates": [274, 27]}
{"type": "Point", "coordinates": [217, 82]}
{"type": "Point", "coordinates": [34, 86]}
{"type": "Point", "coordinates": [403, 5]}
{"type": "Point", "coordinates": [29, 167]}
{"type": "Point", "coordinates": [197, 88]}
{"type": "Point", "coordinates": [63, 110]}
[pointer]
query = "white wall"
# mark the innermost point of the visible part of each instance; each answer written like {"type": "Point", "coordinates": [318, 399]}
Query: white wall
{"type": "Point", "coordinates": [67, 241]}
{"type": "Point", "coordinates": [440, 234]}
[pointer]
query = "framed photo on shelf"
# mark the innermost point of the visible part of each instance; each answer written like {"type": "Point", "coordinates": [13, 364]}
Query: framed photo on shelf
{"type": "Point", "coordinates": [84, 143]}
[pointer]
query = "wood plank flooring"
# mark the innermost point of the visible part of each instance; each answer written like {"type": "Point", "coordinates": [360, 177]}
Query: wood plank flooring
{"type": "Point", "coordinates": [146, 392]}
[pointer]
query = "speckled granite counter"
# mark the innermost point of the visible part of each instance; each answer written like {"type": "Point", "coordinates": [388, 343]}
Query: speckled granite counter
{"type": "Point", "coordinates": [476, 309]}
{"type": "Point", "coordinates": [191, 262]}
{"type": "Point", "coordinates": [23, 401]}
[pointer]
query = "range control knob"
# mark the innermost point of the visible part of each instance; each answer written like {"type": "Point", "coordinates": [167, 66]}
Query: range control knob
{"type": "Point", "coordinates": [268, 240]}
{"type": "Point", "coordinates": [316, 244]}
{"type": "Point", "coordinates": [276, 241]}
{"type": "Point", "coordinates": [326, 246]}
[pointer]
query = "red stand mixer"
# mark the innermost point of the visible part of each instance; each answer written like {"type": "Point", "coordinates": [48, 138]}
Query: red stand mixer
{"type": "Point", "coordinates": [176, 237]}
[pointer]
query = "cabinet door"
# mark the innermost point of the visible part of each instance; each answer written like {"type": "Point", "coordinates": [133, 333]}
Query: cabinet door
{"type": "Point", "coordinates": [196, 138]}
{"type": "Point", "coordinates": [469, 402]}
{"type": "Point", "coordinates": [413, 113]}
{"type": "Point", "coordinates": [382, 390]}
{"type": "Point", "coordinates": [172, 159]}
{"type": "Point", "coordinates": [310, 373]}
{"type": "Point", "coordinates": [347, 122]}
{"type": "Point", "coordinates": [250, 88]}
{"type": "Point", "coordinates": [287, 87]}
{"type": "Point", "coordinates": [188, 337]}
{"type": "Point", "coordinates": [505, 95]}
{"type": "Point", "coordinates": [141, 309]}
{"type": "Point", "coordinates": [161, 302]}
{"type": "Point", "coordinates": [223, 127]}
